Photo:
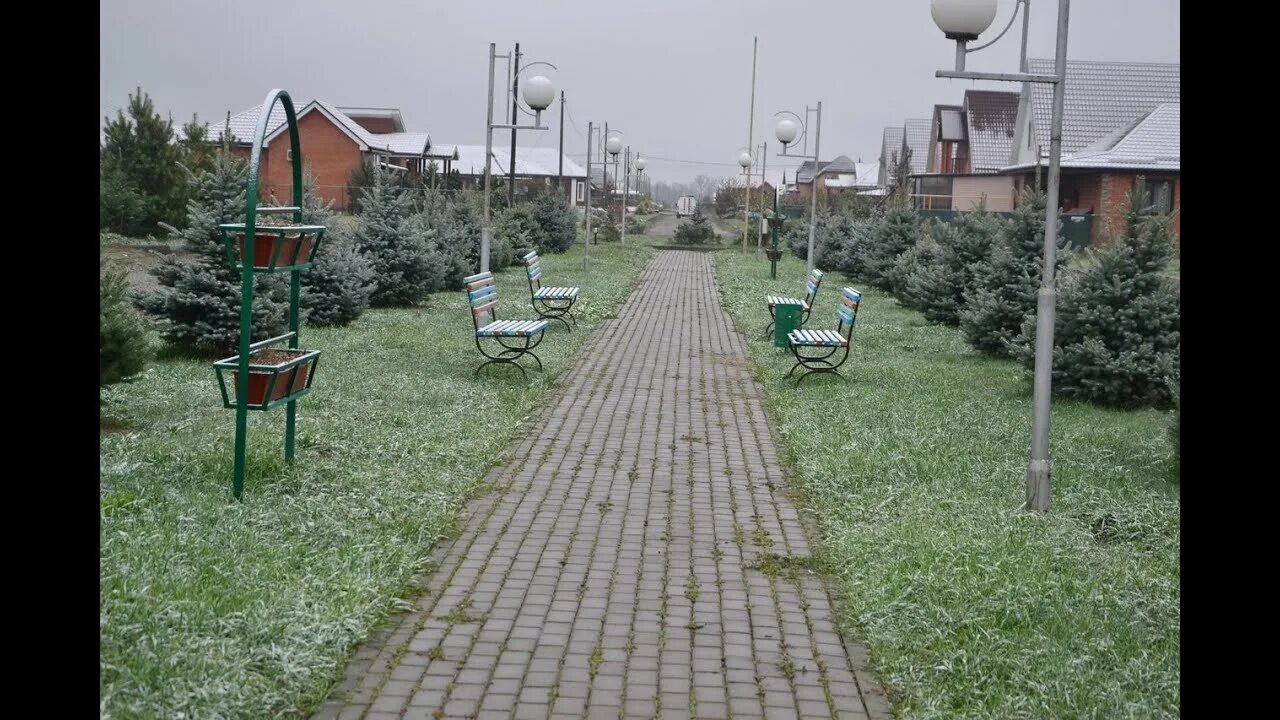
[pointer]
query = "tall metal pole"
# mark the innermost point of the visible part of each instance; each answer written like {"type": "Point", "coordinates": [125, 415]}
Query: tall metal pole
{"type": "Point", "coordinates": [515, 120]}
{"type": "Point", "coordinates": [813, 206]}
{"type": "Point", "coordinates": [751, 124]}
{"type": "Point", "coordinates": [626, 187]}
{"type": "Point", "coordinates": [764, 168]}
{"type": "Point", "coordinates": [486, 230]}
{"type": "Point", "coordinates": [586, 241]}
{"type": "Point", "coordinates": [560, 168]}
{"type": "Point", "coordinates": [1022, 65]}
{"type": "Point", "coordinates": [1040, 468]}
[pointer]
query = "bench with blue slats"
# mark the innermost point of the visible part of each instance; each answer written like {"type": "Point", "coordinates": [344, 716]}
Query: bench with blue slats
{"type": "Point", "coordinates": [833, 341]}
{"type": "Point", "coordinates": [552, 303]}
{"type": "Point", "coordinates": [811, 285]}
{"type": "Point", "coordinates": [482, 296]}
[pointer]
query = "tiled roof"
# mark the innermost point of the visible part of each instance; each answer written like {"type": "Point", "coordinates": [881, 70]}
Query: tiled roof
{"type": "Point", "coordinates": [1100, 97]}
{"type": "Point", "coordinates": [245, 124]}
{"type": "Point", "coordinates": [1153, 143]}
{"type": "Point", "coordinates": [990, 117]}
{"type": "Point", "coordinates": [916, 132]}
{"type": "Point", "coordinates": [536, 162]}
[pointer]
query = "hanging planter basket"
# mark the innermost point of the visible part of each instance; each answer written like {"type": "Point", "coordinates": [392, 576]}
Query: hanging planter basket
{"type": "Point", "coordinates": [276, 375]}
{"type": "Point", "coordinates": [773, 254]}
{"type": "Point", "coordinates": [278, 246]}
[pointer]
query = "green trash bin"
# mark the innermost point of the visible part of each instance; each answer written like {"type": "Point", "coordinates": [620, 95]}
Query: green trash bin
{"type": "Point", "coordinates": [787, 318]}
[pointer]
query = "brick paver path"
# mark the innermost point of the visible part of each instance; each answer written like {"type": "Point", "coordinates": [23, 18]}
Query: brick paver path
{"type": "Point", "coordinates": [639, 557]}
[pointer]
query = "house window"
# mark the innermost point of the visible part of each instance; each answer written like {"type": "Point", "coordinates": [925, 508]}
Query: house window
{"type": "Point", "coordinates": [934, 193]}
{"type": "Point", "coordinates": [1160, 195]}
{"type": "Point", "coordinates": [580, 191]}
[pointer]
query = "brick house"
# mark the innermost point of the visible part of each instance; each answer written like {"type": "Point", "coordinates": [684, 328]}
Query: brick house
{"type": "Point", "coordinates": [335, 141]}
{"type": "Point", "coordinates": [969, 144]}
{"type": "Point", "coordinates": [535, 167]}
{"type": "Point", "coordinates": [829, 171]}
{"type": "Point", "coordinates": [1121, 120]}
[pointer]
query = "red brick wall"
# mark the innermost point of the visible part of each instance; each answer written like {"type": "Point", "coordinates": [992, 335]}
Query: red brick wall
{"type": "Point", "coordinates": [376, 125]}
{"type": "Point", "coordinates": [331, 153]}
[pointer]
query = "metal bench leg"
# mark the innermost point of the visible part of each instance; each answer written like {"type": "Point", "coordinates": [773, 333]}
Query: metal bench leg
{"type": "Point", "coordinates": [772, 319]}
{"type": "Point", "coordinates": [503, 361]}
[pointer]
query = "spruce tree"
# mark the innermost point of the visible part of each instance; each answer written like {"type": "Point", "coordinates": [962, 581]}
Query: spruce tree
{"type": "Point", "coordinates": [965, 247]}
{"type": "Point", "coordinates": [1005, 290]}
{"type": "Point", "coordinates": [892, 233]}
{"type": "Point", "coordinates": [557, 222]}
{"type": "Point", "coordinates": [914, 260]}
{"type": "Point", "coordinates": [138, 152]}
{"type": "Point", "coordinates": [199, 300]}
{"type": "Point", "coordinates": [398, 258]}
{"type": "Point", "coordinates": [125, 345]}
{"type": "Point", "coordinates": [1117, 335]}
{"type": "Point", "coordinates": [336, 290]}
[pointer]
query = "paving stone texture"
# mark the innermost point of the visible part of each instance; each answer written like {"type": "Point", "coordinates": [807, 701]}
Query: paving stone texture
{"type": "Point", "coordinates": [638, 557]}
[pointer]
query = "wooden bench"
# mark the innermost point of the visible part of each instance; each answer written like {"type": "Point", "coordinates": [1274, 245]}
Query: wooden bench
{"type": "Point", "coordinates": [828, 342]}
{"type": "Point", "coordinates": [552, 303]}
{"type": "Point", "coordinates": [482, 296]}
{"type": "Point", "coordinates": [811, 286]}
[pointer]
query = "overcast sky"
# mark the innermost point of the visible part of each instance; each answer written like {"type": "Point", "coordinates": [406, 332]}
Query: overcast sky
{"type": "Point", "coordinates": [673, 75]}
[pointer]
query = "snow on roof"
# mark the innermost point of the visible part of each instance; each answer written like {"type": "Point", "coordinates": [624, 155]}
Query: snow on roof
{"type": "Point", "coordinates": [530, 162]}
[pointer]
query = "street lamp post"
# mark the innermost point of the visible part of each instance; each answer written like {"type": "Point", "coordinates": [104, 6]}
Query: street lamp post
{"type": "Point", "coordinates": [640, 164]}
{"type": "Point", "coordinates": [963, 21]}
{"type": "Point", "coordinates": [788, 131]}
{"type": "Point", "coordinates": [746, 161]}
{"type": "Point", "coordinates": [538, 95]}
{"type": "Point", "coordinates": [613, 145]}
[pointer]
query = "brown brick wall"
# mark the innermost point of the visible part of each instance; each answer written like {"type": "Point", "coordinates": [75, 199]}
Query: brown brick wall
{"type": "Point", "coordinates": [376, 125]}
{"type": "Point", "coordinates": [330, 152]}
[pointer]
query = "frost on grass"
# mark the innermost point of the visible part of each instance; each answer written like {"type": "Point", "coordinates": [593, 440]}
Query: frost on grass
{"type": "Point", "coordinates": [213, 608]}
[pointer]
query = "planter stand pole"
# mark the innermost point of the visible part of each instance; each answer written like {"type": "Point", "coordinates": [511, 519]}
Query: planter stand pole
{"type": "Point", "coordinates": [246, 283]}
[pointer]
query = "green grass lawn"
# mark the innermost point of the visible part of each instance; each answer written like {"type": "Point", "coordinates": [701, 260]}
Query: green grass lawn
{"type": "Point", "coordinates": [212, 608]}
{"type": "Point", "coordinates": [914, 470]}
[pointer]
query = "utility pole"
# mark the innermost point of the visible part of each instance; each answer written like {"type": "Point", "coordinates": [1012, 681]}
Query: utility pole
{"type": "Point", "coordinates": [626, 179]}
{"type": "Point", "coordinates": [751, 120]}
{"type": "Point", "coordinates": [515, 120]}
{"type": "Point", "coordinates": [586, 241]}
{"type": "Point", "coordinates": [560, 169]}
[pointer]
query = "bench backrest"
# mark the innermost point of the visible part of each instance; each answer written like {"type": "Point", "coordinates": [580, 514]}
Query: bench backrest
{"type": "Point", "coordinates": [533, 268]}
{"type": "Point", "coordinates": [811, 285]}
{"type": "Point", "coordinates": [847, 310]}
{"type": "Point", "coordinates": [482, 295]}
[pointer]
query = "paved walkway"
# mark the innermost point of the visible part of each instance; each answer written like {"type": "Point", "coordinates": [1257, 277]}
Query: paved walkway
{"type": "Point", "coordinates": [639, 558]}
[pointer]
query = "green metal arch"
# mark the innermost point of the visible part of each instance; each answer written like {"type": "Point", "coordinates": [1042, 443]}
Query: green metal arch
{"type": "Point", "coordinates": [247, 276]}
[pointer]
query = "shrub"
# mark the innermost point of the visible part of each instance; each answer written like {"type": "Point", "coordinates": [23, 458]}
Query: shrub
{"type": "Point", "coordinates": [337, 288]}
{"type": "Point", "coordinates": [125, 345]}
{"type": "Point", "coordinates": [1005, 290]}
{"type": "Point", "coordinates": [519, 230]}
{"type": "Point", "coordinates": [198, 301]}
{"type": "Point", "coordinates": [557, 222]}
{"type": "Point", "coordinates": [835, 240]}
{"type": "Point", "coordinates": [120, 206]}
{"type": "Point", "coordinates": [695, 231]}
{"type": "Point", "coordinates": [1118, 323]}
{"type": "Point", "coordinates": [450, 228]}
{"type": "Point", "coordinates": [369, 174]}
{"type": "Point", "coordinates": [913, 261]}
{"type": "Point", "coordinates": [891, 233]}
{"type": "Point", "coordinates": [398, 258]}
{"type": "Point", "coordinates": [938, 288]}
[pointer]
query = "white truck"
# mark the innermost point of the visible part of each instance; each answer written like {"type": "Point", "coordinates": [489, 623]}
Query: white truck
{"type": "Point", "coordinates": [686, 206]}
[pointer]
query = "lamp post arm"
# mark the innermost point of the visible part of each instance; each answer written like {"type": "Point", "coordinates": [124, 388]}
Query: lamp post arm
{"type": "Point", "coordinates": [1012, 17]}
